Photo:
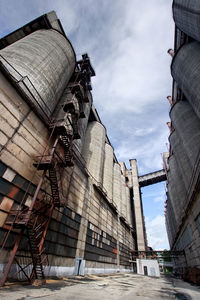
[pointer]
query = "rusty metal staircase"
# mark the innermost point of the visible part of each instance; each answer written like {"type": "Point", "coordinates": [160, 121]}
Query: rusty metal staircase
{"type": "Point", "coordinates": [32, 222]}
{"type": "Point", "coordinates": [35, 253]}
{"type": "Point", "coordinates": [54, 187]}
{"type": "Point", "coordinates": [67, 143]}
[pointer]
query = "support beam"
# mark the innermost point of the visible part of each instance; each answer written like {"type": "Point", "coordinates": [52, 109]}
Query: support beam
{"type": "Point", "coordinates": [140, 228]}
{"type": "Point", "coordinates": [152, 178]}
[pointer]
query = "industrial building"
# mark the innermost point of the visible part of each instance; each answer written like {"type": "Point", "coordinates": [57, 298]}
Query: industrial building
{"type": "Point", "coordinates": [183, 181]}
{"type": "Point", "coordinates": [67, 206]}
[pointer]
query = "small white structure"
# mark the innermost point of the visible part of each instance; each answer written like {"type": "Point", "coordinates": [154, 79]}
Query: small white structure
{"type": "Point", "coordinates": [149, 267]}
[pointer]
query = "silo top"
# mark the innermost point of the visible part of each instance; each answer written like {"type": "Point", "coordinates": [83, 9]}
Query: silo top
{"type": "Point", "coordinates": [46, 60]}
{"type": "Point", "coordinates": [41, 60]}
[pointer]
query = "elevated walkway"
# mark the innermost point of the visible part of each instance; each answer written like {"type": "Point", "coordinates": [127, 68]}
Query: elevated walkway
{"type": "Point", "coordinates": [152, 178]}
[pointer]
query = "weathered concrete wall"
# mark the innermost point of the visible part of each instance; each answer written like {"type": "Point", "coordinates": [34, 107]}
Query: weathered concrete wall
{"type": "Point", "coordinates": [185, 70]}
{"type": "Point", "coordinates": [187, 125]}
{"type": "Point", "coordinates": [189, 238]}
{"type": "Point", "coordinates": [93, 150]}
{"type": "Point", "coordinates": [117, 185]}
{"type": "Point", "coordinates": [123, 206]}
{"type": "Point", "coordinates": [129, 211]}
{"type": "Point", "coordinates": [108, 171]}
{"type": "Point", "coordinates": [151, 265]}
{"type": "Point", "coordinates": [87, 226]}
{"type": "Point", "coordinates": [177, 190]}
{"type": "Point", "coordinates": [186, 17]}
{"type": "Point", "coordinates": [48, 60]}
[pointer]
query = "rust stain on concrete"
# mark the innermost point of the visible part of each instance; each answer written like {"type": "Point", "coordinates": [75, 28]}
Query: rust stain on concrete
{"type": "Point", "coordinates": [13, 192]}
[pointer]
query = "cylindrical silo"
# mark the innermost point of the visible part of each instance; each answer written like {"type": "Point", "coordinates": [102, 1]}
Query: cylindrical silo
{"type": "Point", "coordinates": [47, 59]}
{"type": "Point", "coordinates": [176, 188]}
{"type": "Point", "coordinates": [93, 150]}
{"type": "Point", "coordinates": [123, 207]}
{"type": "Point", "coordinates": [187, 124]}
{"type": "Point", "coordinates": [108, 171]}
{"type": "Point", "coordinates": [129, 212]}
{"type": "Point", "coordinates": [169, 231]}
{"type": "Point", "coordinates": [178, 183]}
{"type": "Point", "coordinates": [173, 197]}
{"type": "Point", "coordinates": [117, 185]}
{"type": "Point", "coordinates": [181, 157]}
{"type": "Point", "coordinates": [187, 18]}
{"type": "Point", "coordinates": [83, 122]}
{"type": "Point", "coordinates": [185, 70]}
{"type": "Point", "coordinates": [171, 218]}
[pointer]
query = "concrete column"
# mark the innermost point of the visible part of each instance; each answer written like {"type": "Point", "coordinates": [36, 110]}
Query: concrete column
{"type": "Point", "coordinates": [138, 207]}
{"type": "Point", "coordinates": [118, 229]}
{"type": "Point", "coordinates": [123, 167]}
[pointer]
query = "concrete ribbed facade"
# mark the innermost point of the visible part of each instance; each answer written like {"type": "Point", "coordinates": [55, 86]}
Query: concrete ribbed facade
{"type": "Point", "coordinates": [117, 185]}
{"type": "Point", "coordinates": [123, 206]}
{"type": "Point", "coordinates": [185, 70]}
{"type": "Point", "coordinates": [94, 150]}
{"type": "Point", "coordinates": [183, 198]}
{"type": "Point", "coordinates": [186, 17]}
{"type": "Point", "coordinates": [47, 59]}
{"type": "Point", "coordinates": [108, 170]}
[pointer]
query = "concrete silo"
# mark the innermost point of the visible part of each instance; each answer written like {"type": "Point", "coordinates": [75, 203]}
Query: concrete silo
{"type": "Point", "coordinates": [93, 150]}
{"type": "Point", "coordinates": [187, 125]}
{"type": "Point", "coordinates": [182, 159]}
{"type": "Point", "coordinates": [41, 64]}
{"type": "Point", "coordinates": [117, 185]}
{"type": "Point", "coordinates": [108, 171]}
{"type": "Point", "coordinates": [185, 69]}
{"type": "Point", "coordinates": [123, 206]}
{"type": "Point", "coordinates": [187, 18]}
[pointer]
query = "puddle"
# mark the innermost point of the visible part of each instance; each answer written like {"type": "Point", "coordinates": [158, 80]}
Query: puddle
{"type": "Point", "coordinates": [179, 296]}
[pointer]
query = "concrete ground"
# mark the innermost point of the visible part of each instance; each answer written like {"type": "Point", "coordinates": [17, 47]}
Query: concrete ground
{"type": "Point", "coordinates": [105, 287]}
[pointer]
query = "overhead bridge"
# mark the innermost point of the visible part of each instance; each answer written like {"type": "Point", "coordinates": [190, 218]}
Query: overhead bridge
{"type": "Point", "coordinates": [152, 178]}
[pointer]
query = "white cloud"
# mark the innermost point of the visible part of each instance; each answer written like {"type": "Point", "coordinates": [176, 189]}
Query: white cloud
{"type": "Point", "coordinates": [159, 199]}
{"type": "Point", "coordinates": [156, 233]}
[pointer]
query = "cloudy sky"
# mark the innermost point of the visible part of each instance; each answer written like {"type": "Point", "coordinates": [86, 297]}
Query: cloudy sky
{"type": "Point", "coordinates": [127, 41]}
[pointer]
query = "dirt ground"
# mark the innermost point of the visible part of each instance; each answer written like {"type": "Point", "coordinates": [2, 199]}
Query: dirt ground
{"type": "Point", "coordinates": [105, 287]}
